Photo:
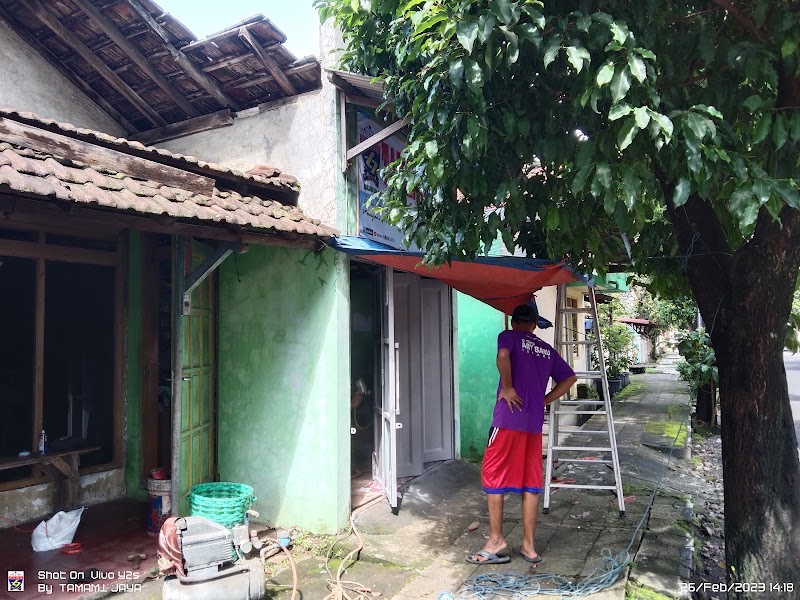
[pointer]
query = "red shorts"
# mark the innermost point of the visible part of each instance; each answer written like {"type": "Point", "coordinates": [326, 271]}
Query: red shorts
{"type": "Point", "coordinates": [513, 462]}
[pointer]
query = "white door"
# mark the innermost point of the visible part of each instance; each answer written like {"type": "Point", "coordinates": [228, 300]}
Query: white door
{"type": "Point", "coordinates": [384, 458]}
{"type": "Point", "coordinates": [436, 371]}
{"type": "Point", "coordinates": [407, 331]}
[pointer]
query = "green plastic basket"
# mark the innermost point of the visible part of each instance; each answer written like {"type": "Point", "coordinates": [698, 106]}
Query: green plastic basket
{"type": "Point", "coordinates": [222, 502]}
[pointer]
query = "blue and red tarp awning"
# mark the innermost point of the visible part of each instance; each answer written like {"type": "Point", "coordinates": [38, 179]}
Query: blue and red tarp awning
{"type": "Point", "coordinates": [502, 282]}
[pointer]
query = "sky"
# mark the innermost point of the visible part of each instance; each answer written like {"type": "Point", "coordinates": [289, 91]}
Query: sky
{"type": "Point", "coordinates": [297, 19]}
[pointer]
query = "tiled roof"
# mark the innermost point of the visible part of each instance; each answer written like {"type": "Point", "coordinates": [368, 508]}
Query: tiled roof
{"type": "Point", "coordinates": [279, 180]}
{"type": "Point", "coordinates": [33, 173]}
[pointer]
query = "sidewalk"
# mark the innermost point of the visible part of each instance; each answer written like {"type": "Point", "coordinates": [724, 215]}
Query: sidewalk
{"type": "Point", "coordinates": [420, 552]}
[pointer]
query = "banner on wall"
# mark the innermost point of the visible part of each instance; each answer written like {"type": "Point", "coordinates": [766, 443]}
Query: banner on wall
{"type": "Point", "coordinates": [370, 163]}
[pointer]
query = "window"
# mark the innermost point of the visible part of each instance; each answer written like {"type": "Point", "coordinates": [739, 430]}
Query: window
{"type": "Point", "coordinates": [59, 356]}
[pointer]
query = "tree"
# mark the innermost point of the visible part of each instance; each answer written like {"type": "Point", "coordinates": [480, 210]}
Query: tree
{"type": "Point", "coordinates": [663, 313]}
{"type": "Point", "coordinates": [568, 125]}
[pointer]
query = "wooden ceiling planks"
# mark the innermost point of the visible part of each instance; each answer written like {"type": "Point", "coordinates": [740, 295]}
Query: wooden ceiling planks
{"type": "Point", "coordinates": [145, 68]}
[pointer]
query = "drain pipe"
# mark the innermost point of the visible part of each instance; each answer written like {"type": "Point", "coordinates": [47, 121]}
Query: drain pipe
{"type": "Point", "coordinates": [178, 279]}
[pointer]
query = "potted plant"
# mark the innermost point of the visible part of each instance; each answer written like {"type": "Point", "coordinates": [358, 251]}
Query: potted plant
{"type": "Point", "coordinates": [618, 352]}
{"type": "Point", "coordinates": [698, 366]}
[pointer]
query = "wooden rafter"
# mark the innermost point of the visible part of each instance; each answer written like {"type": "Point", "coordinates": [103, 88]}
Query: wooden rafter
{"type": "Point", "coordinates": [207, 82]}
{"type": "Point", "coordinates": [45, 16]}
{"type": "Point", "coordinates": [115, 35]}
{"type": "Point", "coordinates": [269, 64]}
{"type": "Point", "coordinates": [68, 73]}
{"type": "Point", "coordinates": [246, 82]}
{"type": "Point", "coordinates": [222, 118]}
{"type": "Point", "coordinates": [233, 60]}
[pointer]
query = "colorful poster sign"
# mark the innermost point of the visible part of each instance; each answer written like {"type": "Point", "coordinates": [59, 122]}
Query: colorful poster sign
{"type": "Point", "coordinates": [370, 163]}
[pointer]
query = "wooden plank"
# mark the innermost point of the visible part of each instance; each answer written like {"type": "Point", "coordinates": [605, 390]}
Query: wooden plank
{"type": "Point", "coordinates": [38, 353]}
{"type": "Point", "coordinates": [120, 355]}
{"type": "Point", "coordinates": [12, 462]}
{"type": "Point", "coordinates": [269, 64]}
{"type": "Point", "coordinates": [378, 137]}
{"type": "Point", "coordinates": [246, 82]}
{"type": "Point", "coordinates": [67, 72]}
{"type": "Point", "coordinates": [132, 52]}
{"type": "Point", "coordinates": [63, 466]}
{"type": "Point", "coordinates": [364, 101]}
{"type": "Point", "coordinates": [53, 252]}
{"type": "Point", "coordinates": [221, 118]}
{"type": "Point", "coordinates": [92, 154]}
{"type": "Point", "coordinates": [208, 83]}
{"type": "Point", "coordinates": [149, 272]}
{"type": "Point", "coordinates": [49, 19]}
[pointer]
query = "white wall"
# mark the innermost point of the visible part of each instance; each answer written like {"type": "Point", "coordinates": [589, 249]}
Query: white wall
{"type": "Point", "coordinates": [297, 135]}
{"type": "Point", "coordinates": [28, 82]}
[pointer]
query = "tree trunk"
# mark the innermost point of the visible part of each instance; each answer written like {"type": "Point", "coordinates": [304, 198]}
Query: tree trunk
{"type": "Point", "coordinates": [745, 299]}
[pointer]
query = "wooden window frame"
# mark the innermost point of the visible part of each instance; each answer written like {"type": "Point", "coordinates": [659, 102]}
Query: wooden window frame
{"type": "Point", "coordinates": [41, 252]}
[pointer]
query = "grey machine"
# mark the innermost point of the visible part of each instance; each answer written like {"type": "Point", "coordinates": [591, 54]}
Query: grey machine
{"type": "Point", "coordinates": [215, 562]}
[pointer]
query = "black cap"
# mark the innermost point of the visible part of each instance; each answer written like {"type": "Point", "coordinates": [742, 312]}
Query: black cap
{"type": "Point", "coordinates": [525, 313]}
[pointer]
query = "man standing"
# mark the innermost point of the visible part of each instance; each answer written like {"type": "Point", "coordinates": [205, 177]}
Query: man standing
{"type": "Point", "coordinates": [513, 458]}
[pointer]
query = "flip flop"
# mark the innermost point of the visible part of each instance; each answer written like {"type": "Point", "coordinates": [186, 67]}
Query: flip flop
{"type": "Point", "coordinates": [518, 552]}
{"type": "Point", "coordinates": [490, 558]}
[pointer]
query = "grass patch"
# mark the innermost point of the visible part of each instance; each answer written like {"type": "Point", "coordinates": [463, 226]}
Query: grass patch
{"type": "Point", "coordinates": [668, 429]}
{"type": "Point", "coordinates": [631, 389]}
{"type": "Point", "coordinates": [651, 370]}
{"type": "Point", "coordinates": [638, 592]}
{"type": "Point", "coordinates": [317, 545]}
{"type": "Point", "coordinates": [697, 461]}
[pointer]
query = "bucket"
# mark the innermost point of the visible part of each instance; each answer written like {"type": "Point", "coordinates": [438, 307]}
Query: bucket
{"type": "Point", "coordinates": [159, 504]}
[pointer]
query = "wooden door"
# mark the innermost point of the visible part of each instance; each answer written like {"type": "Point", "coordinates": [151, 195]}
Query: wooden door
{"type": "Point", "coordinates": [198, 450]}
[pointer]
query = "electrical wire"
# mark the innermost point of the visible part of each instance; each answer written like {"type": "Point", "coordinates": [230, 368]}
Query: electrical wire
{"type": "Point", "coordinates": [341, 590]}
{"type": "Point", "coordinates": [523, 585]}
{"type": "Point", "coordinates": [14, 527]}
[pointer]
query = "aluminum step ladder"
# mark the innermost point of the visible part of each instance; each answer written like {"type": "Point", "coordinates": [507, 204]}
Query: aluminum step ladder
{"type": "Point", "coordinates": [577, 453]}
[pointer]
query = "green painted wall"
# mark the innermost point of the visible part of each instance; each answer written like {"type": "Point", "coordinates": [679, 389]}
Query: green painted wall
{"type": "Point", "coordinates": [133, 375]}
{"type": "Point", "coordinates": [478, 327]}
{"type": "Point", "coordinates": [284, 370]}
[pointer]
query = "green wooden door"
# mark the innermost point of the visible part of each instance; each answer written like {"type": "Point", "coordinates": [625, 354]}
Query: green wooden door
{"type": "Point", "coordinates": [198, 451]}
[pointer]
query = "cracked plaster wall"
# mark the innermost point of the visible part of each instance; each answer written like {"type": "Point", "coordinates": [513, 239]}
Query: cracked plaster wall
{"type": "Point", "coordinates": [32, 84]}
{"type": "Point", "coordinates": [37, 501]}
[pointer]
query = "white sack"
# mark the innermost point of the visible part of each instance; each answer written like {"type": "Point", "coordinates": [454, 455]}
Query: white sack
{"type": "Point", "coordinates": [57, 531]}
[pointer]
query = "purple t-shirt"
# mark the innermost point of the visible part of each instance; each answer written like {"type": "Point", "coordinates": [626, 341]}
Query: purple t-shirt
{"type": "Point", "coordinates": [533, 363]}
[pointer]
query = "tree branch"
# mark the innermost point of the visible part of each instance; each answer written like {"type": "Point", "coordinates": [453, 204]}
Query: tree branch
{"type": "Point", "coordinates": [740, 18]}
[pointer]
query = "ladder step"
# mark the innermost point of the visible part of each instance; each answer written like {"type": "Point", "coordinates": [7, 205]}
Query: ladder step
{"type": "Point", "coordinates": [579, 343]}
{"type": "Point", "coordinates": [585, 487]}
{"type": "Point", "coordinates": [599, 461]}
{"type": "Point", "coordinates": [586, 431]}
{"type": "Point", "coordinates": [577, 412]}
{"type": "Point", "coordinates": [581, 402]}
{"type": "Point", "coordinates": [585, 309]}
{"type": "Point", "coordinates": [582, 448]}
{"type": "Point", "coordinates": [588, 374]}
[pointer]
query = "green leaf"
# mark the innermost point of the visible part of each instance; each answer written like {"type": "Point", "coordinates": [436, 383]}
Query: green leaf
{"type": "Point", "coordinates": [620, 84]}
{"type": "Point", "coordinates": [535, 15]}
{"type": "Point", "coordinates": [610, 202]}
{"type": "Point", "coordinates": [552, 220]}
{"type": "Point", "coordinates": [794, 126]}
{"type": "Point", "coordinates": [788, 194]}
{"type": "Point", "coordinates": [550, 53]}
{"type": "Point", "coordinates": [467, 33]}
{"type": "Point", "coordinates": [576, 57]}
{"type": "Point", "coordinates": [681, 194]}
{"type": "Point", "coordinates": [503, 10]}
{"type": "Point", "coordinates": [788, 47]}
{"type": "Point", "coordinates": [618, 111]}
{"type": "Point", "coordinates": [605, 74]}
{"type": "Point", "coordinates": [627, 133]}
{"type": "Point", "coordinates": [761, 128]}
{"type": "Point", "coordinates": [431, 148]}
{"type": "Point", "coordinates": [486, 23]}
{"type": "Point", "coordinates": [584, 22]}
{"type": "Point", "coordinates": [512, 51]}
{"type": "Point", "coordinates": [780, 132]}
{"type": "Point", "coordinates": [637, 67]}
{"type": "Point", "coordinates": [531, 33]}
{"type": "Point", "coordinates": [761, 188]}
{"type": "Point", "coordinates": [475, 77]}
{"type": "Point", "coordinates": [457, 72]}
{"type": "Point", "coordinates": [580, 179]}
{"type": "Point", "coordinates": [664, 122]}
{"type": "Point", "coordinates": [755, 103]}
{"type": "Point", "coordinates": [645, 53]}
{"type": "Point", "coordinates": [696, 124]}
{"type": "Point", "coordinates": [642, 116]}
{"type": "Point", "coordinates": [744, 208]}
{"type": "Point", "coordinates": [603, 173]}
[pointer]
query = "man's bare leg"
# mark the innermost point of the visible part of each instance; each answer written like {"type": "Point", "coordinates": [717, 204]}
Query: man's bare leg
{"type": "Point", "coordinates": [530, 513]}
{"type": "Point", "coordinates": [496, 542]}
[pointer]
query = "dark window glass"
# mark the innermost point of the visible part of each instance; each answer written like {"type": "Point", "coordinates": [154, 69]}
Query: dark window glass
{"type": "Point", "coordinates": [78, 406]}
{"type": "Point", "coordinates": [17, 324]}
